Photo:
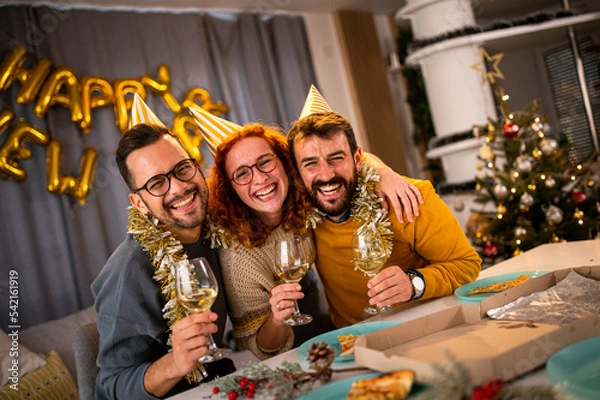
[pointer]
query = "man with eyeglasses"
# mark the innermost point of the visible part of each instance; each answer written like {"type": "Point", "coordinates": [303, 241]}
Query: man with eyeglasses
{"type": "Point", "coordinates": [137, 358]}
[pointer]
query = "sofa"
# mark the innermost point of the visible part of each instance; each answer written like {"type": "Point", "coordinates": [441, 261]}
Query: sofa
{"type": "Point", "coordinates": [46, 359]}
{"type": "Point", "coordinates": [52, 342]}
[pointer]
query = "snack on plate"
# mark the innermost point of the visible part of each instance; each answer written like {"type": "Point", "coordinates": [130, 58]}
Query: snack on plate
{"type": "Point", "coordinates": [500, 286]}
{"type": "Point", "coordinates": [394, 385]}
{"type": "Point", "coordinates": [347, 343]}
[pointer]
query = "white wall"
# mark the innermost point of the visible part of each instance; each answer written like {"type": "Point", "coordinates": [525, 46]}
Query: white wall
{"type": "Point", "coordinates": [328, 61]}
{"type": "Point", "coordinates": [333, 81]}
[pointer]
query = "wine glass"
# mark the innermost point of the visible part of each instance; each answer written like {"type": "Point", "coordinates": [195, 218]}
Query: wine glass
{"type": "Point", "coordinates": [309, 247]}
{"type": "Point", "coordinates": [292, 261]}
{"type": "Point", "coordinates": [368, 256]}
{"type": "Point", "coordinates": [197, 290]}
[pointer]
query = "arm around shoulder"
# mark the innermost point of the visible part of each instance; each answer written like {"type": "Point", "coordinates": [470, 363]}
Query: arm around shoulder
{"type": "Point", "coordinates": [439, 238]}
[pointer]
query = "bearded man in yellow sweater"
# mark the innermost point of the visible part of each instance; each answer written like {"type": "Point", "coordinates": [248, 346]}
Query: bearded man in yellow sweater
{"type": "Point", "coordinates": [430, 256]}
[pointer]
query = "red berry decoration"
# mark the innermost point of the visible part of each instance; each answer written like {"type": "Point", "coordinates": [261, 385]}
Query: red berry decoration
{"type": "Point", "coordinates": [478, 394]}
{"type": "Point", "coordinates": [243, 382]}
{"type": "Point", "coordinates": [510, 129]}
{"type": "Point", "coordinates": [578, 197]}
{"type": "Point", "coordinates": [250, 394]}
{"type": "Point", "coordinates": [252, 386]}
{"type": "Point", "coordinates": [487, 391]}
{"type": "Point", "coordinates": [232, 395]}
{"type": "Point", "coordinates": [215, 390]}
{"type": "Point", "coordinates": [490, 250]}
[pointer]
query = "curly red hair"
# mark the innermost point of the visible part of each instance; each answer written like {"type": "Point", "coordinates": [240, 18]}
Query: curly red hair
{"type": "Point", "coordinates": [230, 213]}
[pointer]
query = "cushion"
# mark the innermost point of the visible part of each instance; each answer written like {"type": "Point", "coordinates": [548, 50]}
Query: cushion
{"type": "Point", "coordinates": [52, 381]}
{"type": "Point", "coordinates": [57, 335]}
{"type": "Point", "coordinates": [28, 361]}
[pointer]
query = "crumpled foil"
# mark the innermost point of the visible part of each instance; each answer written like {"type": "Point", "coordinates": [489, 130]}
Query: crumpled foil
{"type": "Point", "coordinates": [570, 299]}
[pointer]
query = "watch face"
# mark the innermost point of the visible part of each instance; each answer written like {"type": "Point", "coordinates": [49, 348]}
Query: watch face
{"type": "Point", "coordinates": [418, 283]}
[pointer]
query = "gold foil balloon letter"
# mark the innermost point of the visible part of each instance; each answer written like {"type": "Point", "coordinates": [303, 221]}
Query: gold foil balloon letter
{"type": "Point", "coordinates": [32, 80]}
{"type": "Point", "coordinates": [188, 131]}
{"type": "Point", "coordinates": [77, 187]}
{"type": "Point", "coordinates": [95, 93]}
{"type": "Point", "coordinates": [123, 88]}
{"type": "Point", "coordinates": [14, 149]}
{"type": "Point", "coordinates": [162, 87]}
{"type": "Point", "coordinates": [52, 93]}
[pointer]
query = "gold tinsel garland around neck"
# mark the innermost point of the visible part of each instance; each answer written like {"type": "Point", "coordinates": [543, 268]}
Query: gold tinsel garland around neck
{"type": "Point", "coordinates": [367, 208]}
{"type": "Point", "coordinates": [165, 251]}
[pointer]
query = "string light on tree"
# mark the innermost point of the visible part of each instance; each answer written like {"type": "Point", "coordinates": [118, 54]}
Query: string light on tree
{"type": "Point", "coordinates": [541, 193]}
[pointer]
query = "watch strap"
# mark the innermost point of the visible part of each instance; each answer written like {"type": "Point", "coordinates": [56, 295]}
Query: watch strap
{"type": "Point", "coordinates": [412, 273]}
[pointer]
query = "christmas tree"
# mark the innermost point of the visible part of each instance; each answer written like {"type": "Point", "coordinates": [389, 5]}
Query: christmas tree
{"type": "Point", "coordinates": [532, 191]}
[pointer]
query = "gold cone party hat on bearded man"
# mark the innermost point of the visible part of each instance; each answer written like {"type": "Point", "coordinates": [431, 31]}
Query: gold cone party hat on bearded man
{"type": "Point", "coordinates": [315, 103]}
{"type": "Point", "coordinates": [142, 114]}
{"type": "Point", "coordinates": [214, 129]}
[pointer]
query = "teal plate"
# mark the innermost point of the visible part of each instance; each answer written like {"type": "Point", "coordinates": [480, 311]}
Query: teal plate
{"type": "Point", "coordinates": [338, 390]}
{"type": "Point", "coordinates": [463, 291]}
{"type": "Point", "coordinates": [576, 368]}
{"type": "Point", "coordinates": [331, 338]}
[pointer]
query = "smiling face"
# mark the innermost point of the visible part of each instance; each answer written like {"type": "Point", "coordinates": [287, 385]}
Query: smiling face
{"type": "Point", "coordinates": [329, 171]}
{"type": "Point", "coordinates": [267, 191]}
{"type": "Point", "coordinates": [183, 207]}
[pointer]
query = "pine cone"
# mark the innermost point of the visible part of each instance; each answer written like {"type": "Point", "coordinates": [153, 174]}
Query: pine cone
{"type": "Point", "coordinates": [320, 355]}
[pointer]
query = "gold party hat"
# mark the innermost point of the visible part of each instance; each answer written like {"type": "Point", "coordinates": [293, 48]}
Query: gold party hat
{"type": "Point", "coordinates": [315, 103]}
{"type": "Point", "coordinates": [142, 114]}
{"type": "Point", "coordinates": [214, 129]}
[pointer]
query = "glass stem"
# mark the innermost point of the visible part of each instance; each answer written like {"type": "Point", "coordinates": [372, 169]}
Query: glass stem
{"type": "Point", "coordinates": [296, 311]}
{"type": "Point", "coordinates": [211, 343]}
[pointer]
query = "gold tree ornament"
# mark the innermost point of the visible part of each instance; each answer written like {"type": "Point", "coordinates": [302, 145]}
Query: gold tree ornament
{"type": "Point", "coordinates": [486, 60]}
{"type": "Point", "coordinates": [517, 252]}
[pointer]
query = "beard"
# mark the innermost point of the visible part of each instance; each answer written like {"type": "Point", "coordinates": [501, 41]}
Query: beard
{"type": "Point", "coordinates": [338, 206]}
{"type": "Point", "coordinates": [193, 219]}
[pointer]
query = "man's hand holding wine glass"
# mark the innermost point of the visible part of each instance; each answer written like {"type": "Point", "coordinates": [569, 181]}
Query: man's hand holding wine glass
{"type": "Point", "coordinates": [197, 289]}
{"type": "Point", "coordinates": [190, 340]}
{"type": "Point", "coordinates": [390, 286]}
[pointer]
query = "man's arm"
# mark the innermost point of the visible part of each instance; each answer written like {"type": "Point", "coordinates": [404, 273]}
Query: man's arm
{"type": "Point", "coordinates": [400, 194]}
{"type": "Point", "coordinates": [439, 239]}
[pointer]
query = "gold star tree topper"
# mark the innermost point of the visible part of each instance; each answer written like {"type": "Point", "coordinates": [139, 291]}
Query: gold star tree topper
{"type": "Point", "coordinates": [481, 66]}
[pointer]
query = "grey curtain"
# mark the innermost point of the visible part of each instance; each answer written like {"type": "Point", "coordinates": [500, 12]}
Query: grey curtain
{"type": "Point", "coordinates": [259, 65]}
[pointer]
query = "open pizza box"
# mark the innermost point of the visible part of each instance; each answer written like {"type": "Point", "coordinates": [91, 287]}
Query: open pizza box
{"type": "Point", "coordinates": [487, 348]}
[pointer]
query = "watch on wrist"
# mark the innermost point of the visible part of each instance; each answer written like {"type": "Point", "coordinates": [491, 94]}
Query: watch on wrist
{"type": "Point", "coordinates": [418, 283]}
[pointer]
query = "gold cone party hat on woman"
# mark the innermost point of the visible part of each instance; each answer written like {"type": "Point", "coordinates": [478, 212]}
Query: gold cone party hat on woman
{"type": "Point", "coordinates": [315, 103]}
{"type": "Point", "coordinates": [142, 114]}
{"type": "Point", "coordinates": [214, 129]}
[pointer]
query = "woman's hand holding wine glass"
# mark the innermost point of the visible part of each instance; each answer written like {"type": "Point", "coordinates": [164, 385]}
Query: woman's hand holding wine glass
{"type": "Point", "coordinates": [292, 260]}
{"type": "Point", "coordinates": [197, 289]}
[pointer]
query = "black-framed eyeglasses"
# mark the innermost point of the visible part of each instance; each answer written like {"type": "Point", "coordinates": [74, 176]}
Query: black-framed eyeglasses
{"type": "Point", "coordinates": [160, 184]}
{"type": "Point", "coordinates": [244, 174]}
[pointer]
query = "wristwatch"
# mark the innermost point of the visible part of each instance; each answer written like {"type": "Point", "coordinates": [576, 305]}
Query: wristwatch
{"type": "Point", "coordinates": [418, 283]}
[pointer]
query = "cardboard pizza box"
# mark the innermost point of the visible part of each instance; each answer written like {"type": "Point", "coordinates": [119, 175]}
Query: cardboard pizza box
{"type": "Point", "coordinates": [487, 348]}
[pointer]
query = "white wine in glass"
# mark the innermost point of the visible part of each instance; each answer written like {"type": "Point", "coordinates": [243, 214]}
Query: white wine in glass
{"type": "Point", "coordinates": [368, 256]}
{"type": "Point", "coordinates": [197, 290]}
{"type": "Point", "coordinates": [292, 260]}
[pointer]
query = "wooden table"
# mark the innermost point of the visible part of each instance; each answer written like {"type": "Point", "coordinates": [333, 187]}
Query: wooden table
{"type": "Point", "coordinates": [547, 257]}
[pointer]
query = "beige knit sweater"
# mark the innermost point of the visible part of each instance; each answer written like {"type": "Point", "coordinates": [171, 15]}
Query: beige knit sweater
{"type": "Point", "coordinates": [248, 278]}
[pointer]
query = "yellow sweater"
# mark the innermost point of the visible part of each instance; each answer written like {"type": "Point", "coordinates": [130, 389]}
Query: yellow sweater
{"type": "Point", "coordinates": [434, 243]}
